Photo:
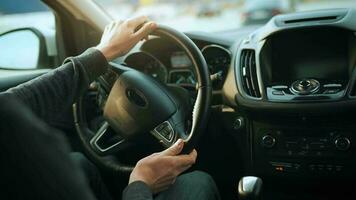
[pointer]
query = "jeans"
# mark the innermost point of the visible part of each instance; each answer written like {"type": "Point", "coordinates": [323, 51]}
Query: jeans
{"type": "Point", "coordinates": [195, 185]}
{"type": "Point", "coordinates": [92, 176]}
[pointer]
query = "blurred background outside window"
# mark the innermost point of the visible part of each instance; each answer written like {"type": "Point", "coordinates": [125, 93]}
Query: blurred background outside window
{"type": "Point", "coordinates": [184, 15]}
{"type": "Point", "coordinates": [214, 15]}
{"type": "Point", "coordinates": [25, 13]}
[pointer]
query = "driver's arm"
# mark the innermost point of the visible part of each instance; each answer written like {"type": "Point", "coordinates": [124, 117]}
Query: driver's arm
{"type": "Point", "coordinates": [49, 96]}
{"type": "Point", "coordinates": [53, 93]}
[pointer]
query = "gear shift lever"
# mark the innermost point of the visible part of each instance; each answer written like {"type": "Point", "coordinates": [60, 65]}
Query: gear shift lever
{"type": "Point", "coordinates": [250, 188]}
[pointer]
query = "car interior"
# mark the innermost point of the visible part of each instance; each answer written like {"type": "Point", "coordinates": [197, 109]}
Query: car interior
{"type": "Point", "coordinates": [272, 105]}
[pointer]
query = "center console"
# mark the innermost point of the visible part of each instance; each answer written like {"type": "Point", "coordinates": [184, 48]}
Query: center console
{"type": "Point", "coordinates": [295, 82]}
{"type": "Point", "coordinates": [306, 66]}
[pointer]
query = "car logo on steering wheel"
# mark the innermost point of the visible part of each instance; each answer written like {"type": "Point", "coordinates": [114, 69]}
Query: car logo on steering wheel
{"type": "Point", "coordinates": [136, 97]}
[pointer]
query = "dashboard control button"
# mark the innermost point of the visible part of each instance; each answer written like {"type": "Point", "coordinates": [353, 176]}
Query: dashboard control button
{"type": "Point", "coordinates": [268, 141]}
{"type": "Point", "coordinates": [331, 91]}
{"type": "Point", "coordinates": [317, 146]}
{"type": "Point", "coordinates": [338, 168]}
{"type": "Point", "coordinates": [304, 83]}
{"type": "Point", "coordinates": [285, 166]}
{"type": "Point", "coordinates": [302, 153]}
{"type": "Point", "coordinates": [312, 167]}
{"type": "Point", "coordinates": [278, 92]}
{"type": "Point", "coordinates": [329, 168]}
{"type": "Point", "coordinates": [305, 86]}
{"type": "Point", "coordinates": [238, 123]}
{"type": "Point", "coordinates": [320, 167]}
{"type": "Point", "coordinates": [332, 85]}
{"type": "Point", "coordinates": [165, 130]}
{"type": "Point", "coordinates": [342, 143]}
{"type": "Point", "coordinates": [279, 87]}
{"type": "Point", "coordinates": [290, 153]}
{"type": "Point", "coordinates": [292, 145]}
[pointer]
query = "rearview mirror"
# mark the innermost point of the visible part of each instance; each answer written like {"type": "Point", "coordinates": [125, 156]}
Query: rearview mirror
{"type": "Point", "coordinates": [23, 49]}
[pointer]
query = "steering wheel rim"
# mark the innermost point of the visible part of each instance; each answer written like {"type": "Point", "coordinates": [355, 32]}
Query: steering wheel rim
{"type": "Point", "coordinates": [199, 116]}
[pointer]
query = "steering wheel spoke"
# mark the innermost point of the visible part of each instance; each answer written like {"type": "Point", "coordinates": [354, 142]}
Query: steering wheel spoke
{"type": "Point", "coordinates": [165, 134]}
{"type": "Point", "coordinates": [105, 142]}
{"type": "Point", "coordinates": [169, 131]}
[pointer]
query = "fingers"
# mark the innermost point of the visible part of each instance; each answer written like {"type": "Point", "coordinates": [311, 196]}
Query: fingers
{"type": "Point", "coordinates": [135, 22]}
{"type": "Point", "coordinates": [145, 30]}
{"type": "Point", "coordinates": [186, 160]}
{"type": "Point", "coordinates": [175, 149]}
{"type": "Point", "coordinates": [183, 162]}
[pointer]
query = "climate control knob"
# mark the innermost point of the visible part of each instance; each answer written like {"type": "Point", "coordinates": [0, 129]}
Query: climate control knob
{"type": "Point", "coordinates": [342, 143]}
{"type": "Point", "coordinates": [268, 141]}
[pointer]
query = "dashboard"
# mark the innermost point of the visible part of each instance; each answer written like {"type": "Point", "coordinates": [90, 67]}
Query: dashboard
{"type": "Point", "coordinates": [287, 89]}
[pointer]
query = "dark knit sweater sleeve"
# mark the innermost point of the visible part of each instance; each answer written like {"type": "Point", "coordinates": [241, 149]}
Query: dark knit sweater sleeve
{"type": "Point", "coordinates": [137, 191]}
{"type": "Point", "coordinates": [53, 93]}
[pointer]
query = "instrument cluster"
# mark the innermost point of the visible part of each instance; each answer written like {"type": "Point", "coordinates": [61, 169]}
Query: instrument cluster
{"type": "Point", "coordinates": [175, 67]}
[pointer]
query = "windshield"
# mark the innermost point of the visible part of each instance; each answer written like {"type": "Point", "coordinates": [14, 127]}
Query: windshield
{"type": "Point", "coordinates": [214, 15]}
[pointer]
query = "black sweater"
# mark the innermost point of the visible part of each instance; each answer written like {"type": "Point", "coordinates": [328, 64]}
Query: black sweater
{"type": "Point", "coordinates": [34, 157]}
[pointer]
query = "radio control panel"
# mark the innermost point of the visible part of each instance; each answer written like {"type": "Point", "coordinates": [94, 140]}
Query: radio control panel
{"type": "Point", "coordinates": [305, 152]}
{"type": "Point", "coordinates": [307, 89]}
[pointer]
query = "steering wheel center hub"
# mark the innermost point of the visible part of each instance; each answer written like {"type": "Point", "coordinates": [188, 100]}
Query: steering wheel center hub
{"type": "Point", "coordinates": [137, 104]}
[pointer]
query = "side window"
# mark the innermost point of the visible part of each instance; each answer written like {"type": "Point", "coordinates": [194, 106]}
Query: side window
{"type": "Point", "coordinates": [21, 50]}
{"type": "Point", "coordinates": [27, 35]}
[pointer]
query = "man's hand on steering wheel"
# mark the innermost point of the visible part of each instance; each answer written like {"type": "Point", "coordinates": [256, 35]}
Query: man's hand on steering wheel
{"type": "Point", "coordinates": [120, 37]}
{"type": "Point", "coordinates": [149, 169]}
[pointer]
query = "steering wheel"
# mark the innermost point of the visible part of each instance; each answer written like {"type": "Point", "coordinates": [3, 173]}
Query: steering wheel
{"type": "Point", "coordinates": [137, 105]}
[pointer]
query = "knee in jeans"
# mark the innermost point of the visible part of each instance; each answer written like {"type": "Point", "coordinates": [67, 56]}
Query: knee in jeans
{"type": "Point", "coordinates": [202, 180]}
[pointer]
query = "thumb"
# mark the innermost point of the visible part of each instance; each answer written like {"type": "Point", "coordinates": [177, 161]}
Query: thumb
{"type": "Point", "coordinates": [175, 149]}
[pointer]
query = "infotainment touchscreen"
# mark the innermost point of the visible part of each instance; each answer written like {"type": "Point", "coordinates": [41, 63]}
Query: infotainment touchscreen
{"type": "Point", "coordinates": [322, 55]}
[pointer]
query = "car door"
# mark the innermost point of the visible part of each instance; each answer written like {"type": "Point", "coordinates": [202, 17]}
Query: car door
{"type": "Point", "coordinates": [27, 42]}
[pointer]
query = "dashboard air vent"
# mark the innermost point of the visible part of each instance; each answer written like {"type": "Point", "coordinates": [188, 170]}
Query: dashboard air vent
{"type": "Point", "coordinates": [326, 16]}
{"type": "Point", "coordinates": [310, 19]}
{"type": "Point", "coordinates": [249, 73]}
